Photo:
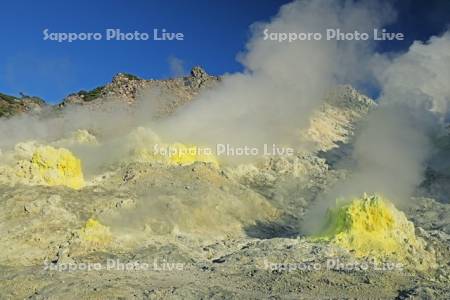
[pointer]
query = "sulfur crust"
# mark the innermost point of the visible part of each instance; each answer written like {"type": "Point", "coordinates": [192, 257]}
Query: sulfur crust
{"type": "Point", "coordinates": [95, 233]}
{"type": "Point", "coordinates": [34, 164]}
{"type": "Point", "coordinates": [372, 227]}
{"type": "Point", "coordinates": [57, 166]}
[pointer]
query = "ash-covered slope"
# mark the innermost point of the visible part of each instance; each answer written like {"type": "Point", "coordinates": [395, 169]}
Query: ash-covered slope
{"type": "Point", "coordinates": [336, 120]}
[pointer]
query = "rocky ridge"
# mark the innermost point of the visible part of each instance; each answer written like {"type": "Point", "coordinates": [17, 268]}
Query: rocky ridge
{"type": "Point", "coordinates": [10, 106]}
{"type": "Point", "coordinates": [127, 88]}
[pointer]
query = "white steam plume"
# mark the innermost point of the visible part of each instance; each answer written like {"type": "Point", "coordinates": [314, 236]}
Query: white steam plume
{"type": "Point", "coordinates": [392, 149]}
{"type": "Point", "coordinates": [283, 83]}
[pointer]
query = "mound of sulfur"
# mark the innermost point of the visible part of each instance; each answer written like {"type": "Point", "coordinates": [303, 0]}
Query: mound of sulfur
{"type": "Point", "coordinates": [49, 166]}
{"type": "Point", "coordinates": [95, 233]}
{"type": "Point", "coordinates": [372, 227]}
{"type": "Point", "coordinates": [57, 167]}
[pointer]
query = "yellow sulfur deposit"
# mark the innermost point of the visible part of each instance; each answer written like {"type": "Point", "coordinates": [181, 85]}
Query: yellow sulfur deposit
{"type": "Point", "coordinates": [95, 233]}
{"type": "Point", "coordinates": [57, 167]}
{"type": "Point", "coordinates": [372, 227]}
{"type": "Point", "coordinates": [34, 164]}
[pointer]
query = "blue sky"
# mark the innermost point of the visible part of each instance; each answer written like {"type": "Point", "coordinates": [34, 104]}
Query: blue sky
{"type": "Point", "coordinates": [215, 31]}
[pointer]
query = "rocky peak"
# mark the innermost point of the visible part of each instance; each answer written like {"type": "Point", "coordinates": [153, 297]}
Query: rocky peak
{"type": "Point", "coordinates": [199, 72]}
